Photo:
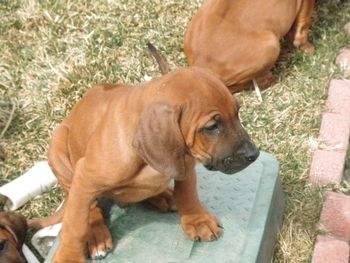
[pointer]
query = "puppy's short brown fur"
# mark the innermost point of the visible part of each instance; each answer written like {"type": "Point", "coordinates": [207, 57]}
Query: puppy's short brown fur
{"type": "Point", "coordinates": [13, 229]}
{"type": "Point", "coordinates": [239, 40]}
{"type": "Point", "coordinates": [128, 142]}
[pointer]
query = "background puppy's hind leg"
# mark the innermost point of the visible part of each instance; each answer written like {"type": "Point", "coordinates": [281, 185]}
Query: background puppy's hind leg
{"type": "Point", "coordinates": [267, 48]}
{"type": "Point", "coordinates": [299, 32]}
{"type": "Point", "coordinates": [266, 79]}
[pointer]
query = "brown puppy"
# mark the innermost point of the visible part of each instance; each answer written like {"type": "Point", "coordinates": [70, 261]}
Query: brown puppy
{"type": "Point", "coordinates": [129, 142]}
{"type": "Point", "coordinates": [239, 40]}
{"type": "Point", "coordinates": [13, 229]}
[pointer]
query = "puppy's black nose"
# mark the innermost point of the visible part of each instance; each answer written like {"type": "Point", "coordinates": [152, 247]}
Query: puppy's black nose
{"type": "Point", "coordinates": [252, 154]}
{"type": "Point", "coordinates": [209, 167]}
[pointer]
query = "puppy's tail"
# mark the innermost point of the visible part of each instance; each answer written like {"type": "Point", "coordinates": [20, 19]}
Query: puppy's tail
{"type": "Point", "coordinates": [163, 64]}
{"type": "Point", "coordinates": [53, 219]}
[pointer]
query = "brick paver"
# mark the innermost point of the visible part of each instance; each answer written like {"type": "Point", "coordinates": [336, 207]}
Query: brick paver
{"type": "Point", "coordinates": [343, 60]}
{"type": "Point", "coordinates": [335, 216]}
{"type": "Point", "coordinates": [339, 98]}
{"type": "Point", "coordinates": [347, 29]}
{"type": "Point", "coordinates": [334, 132]}
{"type": "Point", "coordinates": [327, 167]}
{"type": "Point", "coordinates": [330, 250]}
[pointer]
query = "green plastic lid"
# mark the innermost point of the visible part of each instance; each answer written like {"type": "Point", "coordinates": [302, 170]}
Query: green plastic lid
{"type": "Point", "coordinates": [249, 205]}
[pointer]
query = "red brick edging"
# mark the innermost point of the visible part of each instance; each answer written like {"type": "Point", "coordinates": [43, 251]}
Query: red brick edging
{"type": "Point", "coordinates": [327, 166]}
{"type": "Point", "coordinates": [328, 161]}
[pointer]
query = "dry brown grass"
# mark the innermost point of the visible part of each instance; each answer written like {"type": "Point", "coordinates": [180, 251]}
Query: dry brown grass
{"type": "Point", "coordinates": [52, 51]}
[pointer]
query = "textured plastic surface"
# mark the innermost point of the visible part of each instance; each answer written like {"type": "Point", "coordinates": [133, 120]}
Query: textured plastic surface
{"type": "Point", "coordinates": [249, 205]}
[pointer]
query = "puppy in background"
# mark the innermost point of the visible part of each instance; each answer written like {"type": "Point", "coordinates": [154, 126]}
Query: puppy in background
{"type": "Point", "coordinates": [13, 229]}
{"type": "Point", "coordinates": [240, 40]}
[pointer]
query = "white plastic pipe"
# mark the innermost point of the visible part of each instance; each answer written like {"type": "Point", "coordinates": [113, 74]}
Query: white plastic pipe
{"type": "Point", "coordinates": [34, 182]}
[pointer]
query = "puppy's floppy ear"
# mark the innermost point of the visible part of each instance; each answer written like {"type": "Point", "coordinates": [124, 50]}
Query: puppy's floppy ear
{"type": "Point", "coordinates": [159, 141]}
{"type": "Point", "coordinates": [15, 224]}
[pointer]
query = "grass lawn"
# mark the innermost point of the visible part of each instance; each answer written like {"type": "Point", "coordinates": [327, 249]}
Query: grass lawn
{"type": "Point", "coordinates": [51, 52]}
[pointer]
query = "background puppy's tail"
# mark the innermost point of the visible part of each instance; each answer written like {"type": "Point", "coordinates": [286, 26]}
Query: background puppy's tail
{"type": "Point", "coordinates": [163, 64]}
{"type": "Point", "coordinates": [53, 219]}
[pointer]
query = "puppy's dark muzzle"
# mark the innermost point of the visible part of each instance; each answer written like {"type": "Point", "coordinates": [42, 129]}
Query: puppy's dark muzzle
{"type": "Point", "coordinates": [243, 157]}
{"type": "Point", "coordinates": [251, 153]}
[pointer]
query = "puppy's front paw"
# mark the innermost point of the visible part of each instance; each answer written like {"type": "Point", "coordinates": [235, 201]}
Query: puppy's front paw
{"type": "Point", "coordinates": [201, 227]}
{"type": "Point", "coordinates": [99, 241]}
{"type": "Point", "coordinates": [99, 238]}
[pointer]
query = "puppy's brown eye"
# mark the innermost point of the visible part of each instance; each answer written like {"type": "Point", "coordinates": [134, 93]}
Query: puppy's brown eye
{"type": "Point", "coordinates": [2, 244]}
{"type": "Point", "coordinates": [212, 127]}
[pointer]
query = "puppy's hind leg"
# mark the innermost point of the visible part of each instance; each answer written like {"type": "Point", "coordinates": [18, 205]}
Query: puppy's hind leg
{"type": "Point", "coordinates": [99, 239]}
{"type": "Point", "coordinates": [164, 201]}
{"type": "Point", "coordinates": [58, 157]}
{"type": "Point", "coordinates": [299, 32]}
{"type": "Point", "coordinates": [264, 50]}
{"type": "Point", "coordinates": [266, 79]}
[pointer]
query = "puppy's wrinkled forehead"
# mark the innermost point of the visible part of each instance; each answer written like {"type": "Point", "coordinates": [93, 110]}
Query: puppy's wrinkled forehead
{"type": "Point", "coordinates": [212, 92]}
{"type": "Point", "coordinates": [198, 88]}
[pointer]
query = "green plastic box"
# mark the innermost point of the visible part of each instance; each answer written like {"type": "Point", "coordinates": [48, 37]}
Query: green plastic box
{"type": "Point", "coordinates": [249, 205]}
